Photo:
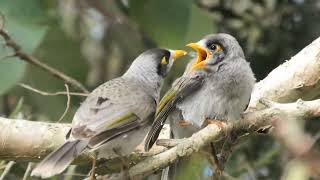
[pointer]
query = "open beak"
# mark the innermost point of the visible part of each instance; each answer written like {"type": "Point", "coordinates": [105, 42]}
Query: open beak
{"type": "Point", "coordinates": [202, 55]}
{"type": "Point", "coordinates": [178, 53]}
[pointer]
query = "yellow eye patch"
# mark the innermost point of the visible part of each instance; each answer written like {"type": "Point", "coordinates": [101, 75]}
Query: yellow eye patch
{"type": "Point", "coordinates": [164, 61]}
{"type": "Point", "coordinates": [218, 49]}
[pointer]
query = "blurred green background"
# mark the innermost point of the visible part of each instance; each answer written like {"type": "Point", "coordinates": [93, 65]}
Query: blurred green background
{"type": "Point", "coordinates": [96, 40]}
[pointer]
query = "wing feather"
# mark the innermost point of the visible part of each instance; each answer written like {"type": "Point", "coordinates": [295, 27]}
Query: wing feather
{"type": "Point", "coordinates": [182, 88]}
{"type": "Point", "coordinates": [117, 103]}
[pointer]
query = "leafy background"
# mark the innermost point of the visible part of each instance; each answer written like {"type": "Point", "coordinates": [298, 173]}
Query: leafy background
{"type": "Point", "coordinates": [96, 40]}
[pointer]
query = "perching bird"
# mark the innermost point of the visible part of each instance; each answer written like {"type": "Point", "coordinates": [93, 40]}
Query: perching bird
{"type": "Point", "coordinates": [217, 86]}
{"type": "Point", "coordinates": [117, 115]}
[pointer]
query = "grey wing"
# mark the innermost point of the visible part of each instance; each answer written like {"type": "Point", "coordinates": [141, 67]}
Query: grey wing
{"type": "Point", "coordinates": [109, 134]}
{"type": "Point", "coordinates": [182, 88]}
{"type": "Point", "coordinates": [116, 106]}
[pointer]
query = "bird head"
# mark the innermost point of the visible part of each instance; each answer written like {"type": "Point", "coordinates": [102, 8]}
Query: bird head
{"type": "Point", "coordinates": [158, 60]}
{"type": "Point", "coordinates": [214, 49]}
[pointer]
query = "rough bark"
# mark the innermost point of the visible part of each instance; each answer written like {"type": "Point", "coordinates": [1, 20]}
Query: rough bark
{"type": "Point", "coordinates": [297, 78]}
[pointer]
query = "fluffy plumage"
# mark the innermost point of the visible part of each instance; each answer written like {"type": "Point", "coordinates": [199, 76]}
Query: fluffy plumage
{"type": "Point", "coordinates": [223, 94]}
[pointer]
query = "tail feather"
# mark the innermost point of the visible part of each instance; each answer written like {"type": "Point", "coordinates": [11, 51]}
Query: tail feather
{"type": "Point", "coordinates": [57, 161]}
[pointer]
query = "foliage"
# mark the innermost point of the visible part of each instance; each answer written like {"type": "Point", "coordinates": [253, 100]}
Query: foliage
{"type": "Point", "coordinates": [23, 21]}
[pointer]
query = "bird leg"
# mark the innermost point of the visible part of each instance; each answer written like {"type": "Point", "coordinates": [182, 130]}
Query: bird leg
{"type": "Point", "coordinates": [219, 123]}
{"type": "Point", "coordinates": [124, 162]}
{"type": "Point", "coordinates": [183, 123]}
{"type": "Point", "coordinates": [92, 173]}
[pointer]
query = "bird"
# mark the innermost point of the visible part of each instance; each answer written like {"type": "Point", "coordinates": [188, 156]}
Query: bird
{"type": "Point", "coordinates": [116, 116]}
{"type": "Point", "coordinates": [217, 85]}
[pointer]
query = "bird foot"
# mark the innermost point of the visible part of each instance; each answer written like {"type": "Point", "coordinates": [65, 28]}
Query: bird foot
{"type": "Point", "coordinates": [183, 123]}
{"type": "Point", "coordinates": [219, 123]}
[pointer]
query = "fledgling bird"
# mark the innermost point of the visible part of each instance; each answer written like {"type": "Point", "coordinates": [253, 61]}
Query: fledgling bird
{"type": "Point", "coordinates": [216, 86]}
{"type": "Point", "coordinates": [116, 116]}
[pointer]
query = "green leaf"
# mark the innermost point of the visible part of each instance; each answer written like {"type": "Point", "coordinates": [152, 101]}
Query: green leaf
{"type": "Point", "coordinates": [165, 21]}
{"type": "Point", "coordinates": [23, 21]}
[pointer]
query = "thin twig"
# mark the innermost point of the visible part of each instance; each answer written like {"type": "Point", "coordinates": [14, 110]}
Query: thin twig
{"type": "Point", "coordinates": [28, 170]}
{"type": "Point", "coordinates": [51, 94]}
{"type": "Point", "coordinates": [3, 20]}
{"type": "Point", "coordinates": [7, 170]}
{"type": "Point", "coordinates": [226, 151]}
{"type": "Point", "coordinates": [219, 169]}
{"type": "Point", "coordinates": [18, 52]}
{"type": "Point", "coordinates": [68, 103]}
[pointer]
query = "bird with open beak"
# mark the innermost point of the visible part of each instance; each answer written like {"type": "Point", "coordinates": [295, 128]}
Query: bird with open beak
{"type": "Point", "coordinates": [215, 86]}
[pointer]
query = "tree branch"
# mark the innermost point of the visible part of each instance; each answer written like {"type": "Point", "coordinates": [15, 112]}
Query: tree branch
{"type": "Point", "coordinates": [30, 141]}
{"type": "Point", "coordinates": [30, 145]}
{"type": "Point", "coordinates": [18, 52]}
{"type": "Point", "coordinates": [52, 94]}
{"type": "Point", "coordinates": [215, 132]}
{"type": "Point", "coordinates": [298, 78]}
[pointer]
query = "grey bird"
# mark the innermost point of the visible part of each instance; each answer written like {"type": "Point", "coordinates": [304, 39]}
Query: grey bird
{"type": "Point", "coordinates": [116, 116]}
{"type": "Point", "coordinates": [215, 86]}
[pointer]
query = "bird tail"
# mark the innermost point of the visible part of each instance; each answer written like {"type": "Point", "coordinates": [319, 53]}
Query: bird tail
{"type": "Point", "coordinates": [197, 166]}
{"type": "Point", "coordinates": [58, 160]}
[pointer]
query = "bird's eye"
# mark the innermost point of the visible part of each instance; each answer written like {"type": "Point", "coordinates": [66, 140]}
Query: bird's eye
{"type": "Point", "coordinates": [215, 47]}
{"type": "Point", "coordinates": [164, 61]}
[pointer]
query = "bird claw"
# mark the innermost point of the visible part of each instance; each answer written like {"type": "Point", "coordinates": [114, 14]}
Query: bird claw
{"type": "Point", "coordinates": [219, 123]}
{"type": "Point", "coordinates": [183, 123]}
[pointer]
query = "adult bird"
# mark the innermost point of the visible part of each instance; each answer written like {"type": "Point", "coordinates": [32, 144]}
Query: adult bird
{"type": "Point", "coordinates": [116, 116]}
{"type": "Point", "coordinates": [215, 86]}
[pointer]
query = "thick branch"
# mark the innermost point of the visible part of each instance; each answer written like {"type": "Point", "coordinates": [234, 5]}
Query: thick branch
{"type": "Point", "coordinates": [29, 140]}
{"type": "Point", "coordinates": [18, 52]}
{"type": "Point", "coordinates": [298, 78]}
{"type": "Point", "coordinates": [36, 139]}
{"type": "Point", "coordinates": [214, 132]}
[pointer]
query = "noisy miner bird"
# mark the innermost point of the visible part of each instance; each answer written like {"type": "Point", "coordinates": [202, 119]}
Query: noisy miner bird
{"type": "Point", "coordinates": [116, 116]}
{"type": "Point", "coordinates": [216, 86]}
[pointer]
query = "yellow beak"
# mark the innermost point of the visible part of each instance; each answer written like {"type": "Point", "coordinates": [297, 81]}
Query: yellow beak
{"type": "Point", "coordinates": [178, 53]}
{"type": "Point", "coordinates": [202, 55]}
